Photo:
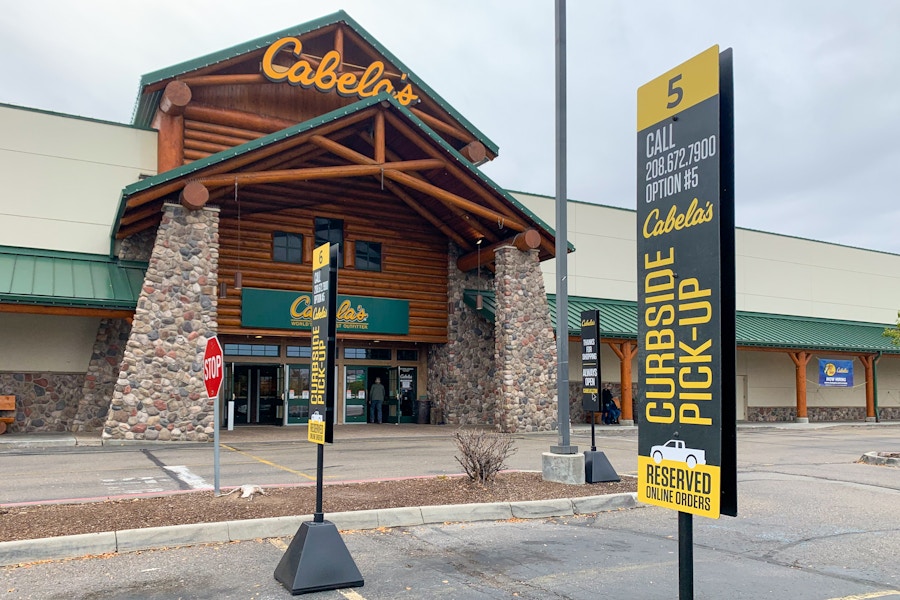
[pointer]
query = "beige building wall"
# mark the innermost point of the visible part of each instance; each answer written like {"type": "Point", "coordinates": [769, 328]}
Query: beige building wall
{"type": "Point", "coordinates": [63, 176]}
{"type": "Point", "coordinates": [46, 344]}
{"type": "Point", "coordinates": [774, 273]}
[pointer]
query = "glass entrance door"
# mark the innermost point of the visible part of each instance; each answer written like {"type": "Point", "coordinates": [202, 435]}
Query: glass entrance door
{"type": "Point", "coordinates": [257, 395]}
{"type": "Point", "coordinates": [355, 394]}
{"type": "Point", "coordinates": [298, 394]}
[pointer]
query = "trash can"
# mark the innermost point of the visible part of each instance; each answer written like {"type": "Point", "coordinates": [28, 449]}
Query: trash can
{"type": "Point", "coordinates": [423, 412]}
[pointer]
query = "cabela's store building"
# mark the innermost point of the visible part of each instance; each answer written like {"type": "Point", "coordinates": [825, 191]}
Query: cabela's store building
{"type": "Point", "coordinates": [127, 246]}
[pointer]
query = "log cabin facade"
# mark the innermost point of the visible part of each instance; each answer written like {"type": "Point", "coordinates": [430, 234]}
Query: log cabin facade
{"type": "Point", "coordinates": [269, 149]}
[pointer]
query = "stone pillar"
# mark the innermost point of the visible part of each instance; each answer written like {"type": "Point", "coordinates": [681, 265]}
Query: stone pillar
{"type": "Point", "coordinates": [101, 376]}
{"type": "Point", "coordinates": [525, 344]}
{"type": "Point", "coordinates": [159, 393]}
{"type": "Point", "coordinates": [461, 377]}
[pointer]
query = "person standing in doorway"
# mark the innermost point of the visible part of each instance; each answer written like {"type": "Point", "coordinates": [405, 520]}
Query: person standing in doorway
{"type": "Point", "coordinates": [376, 396]}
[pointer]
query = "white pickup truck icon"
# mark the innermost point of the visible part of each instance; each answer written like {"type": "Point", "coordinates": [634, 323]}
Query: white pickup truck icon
{"type": "Point", "coordinates": [676, 450]}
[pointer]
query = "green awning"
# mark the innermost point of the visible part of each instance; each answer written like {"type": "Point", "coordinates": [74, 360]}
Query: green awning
{"type": "Point", "coordinates": [51, 278]}
{"type": "Point", "coordinates": [619, 319]}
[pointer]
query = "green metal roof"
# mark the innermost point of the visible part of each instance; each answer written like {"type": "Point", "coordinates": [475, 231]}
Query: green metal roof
{"type": "Point", "coordinates": [146, 104]}
{"type": "Point", "coordinates": [619, 319]}
{"type": "Point", "coordinates": [236, 151]}
{"type": "Point", "coordinates": [48, 278]}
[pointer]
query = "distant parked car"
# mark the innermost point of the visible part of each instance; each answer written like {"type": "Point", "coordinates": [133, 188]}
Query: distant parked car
{"type": "Point", "coordinates": [676, 450]}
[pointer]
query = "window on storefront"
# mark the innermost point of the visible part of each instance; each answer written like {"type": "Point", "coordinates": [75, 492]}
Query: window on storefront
{"type": "Point", "coordinates": [287, 247]}
{"type": "Point", "coordinates": [368, 256]}
{"type": "Point", "coordinates": [252, 350]}
{"type": "Point", "coordinates": [329, 231]}
{"type": "Point", "coordinates": [410, 355]}
{"type": "Point", "coordinates": [368, 353]}
{"type": "Point", "coordinates": [299, 351]}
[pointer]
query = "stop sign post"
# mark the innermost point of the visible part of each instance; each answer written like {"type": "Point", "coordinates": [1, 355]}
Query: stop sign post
{"type": "Point", "coordinates": [213, 367]}
{"type": "Point", "coordinates": [213, 373]}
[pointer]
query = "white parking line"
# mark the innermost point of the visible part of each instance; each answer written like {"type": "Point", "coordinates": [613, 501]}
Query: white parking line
{"type": "Point", "coordinates": [184, 474]}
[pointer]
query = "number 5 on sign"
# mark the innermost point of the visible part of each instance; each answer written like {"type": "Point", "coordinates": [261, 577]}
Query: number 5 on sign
{"type": "Point", "coordinates": [681, 88]}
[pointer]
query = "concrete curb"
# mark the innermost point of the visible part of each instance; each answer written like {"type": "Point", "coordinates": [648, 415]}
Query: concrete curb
{"type": "Point", "coordinates": [128, 540]}
{"type": "Point", "coordinates": [876, 458]}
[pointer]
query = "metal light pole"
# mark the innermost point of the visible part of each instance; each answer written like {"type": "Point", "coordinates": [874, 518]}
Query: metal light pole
{"type": "Point", "coordinates": [562, 286]}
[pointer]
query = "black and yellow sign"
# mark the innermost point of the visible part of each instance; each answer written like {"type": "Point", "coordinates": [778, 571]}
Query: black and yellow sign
{"type": "Point", "coordinates": [321, 371]}
{"type": "Point", "coordinates": [590, 360]}
{"type": "Point", "coordinates": [685, 245]}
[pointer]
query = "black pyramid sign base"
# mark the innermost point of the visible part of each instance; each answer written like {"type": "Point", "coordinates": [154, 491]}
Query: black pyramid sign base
{"type": "Point", "coordinates": [317, 559]}
{"type": "Point", "coordinates": [597, 468]}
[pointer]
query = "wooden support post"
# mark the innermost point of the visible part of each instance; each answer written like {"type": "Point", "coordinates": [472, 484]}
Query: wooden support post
{"type": "Point", "coordinates": [868, 361]}
{"type": "Point", "coordinates": [626, 352]}
{"type": "Point", "coordinates": [801, 359]}
{"type": "Point", "coordinates": [169, 122]}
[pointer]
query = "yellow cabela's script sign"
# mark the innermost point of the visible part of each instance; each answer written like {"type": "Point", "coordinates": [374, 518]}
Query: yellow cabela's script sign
{"type": "Point", "coordinates": [325, 76]}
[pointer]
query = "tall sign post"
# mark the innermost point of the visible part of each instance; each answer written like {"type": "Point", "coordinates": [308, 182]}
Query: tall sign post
{"type": "Point", "coordinates": [686, 298]}
{"type": "Point", "coordinates": [213, 374]}
{"type": "Point", "coordinates": [597, 467]}
{"type": "Point", "coordinates": [317, 558]}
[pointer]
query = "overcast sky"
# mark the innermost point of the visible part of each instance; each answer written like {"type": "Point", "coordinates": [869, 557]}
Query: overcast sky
{"type": "Point", "coordinates": [817, 85]}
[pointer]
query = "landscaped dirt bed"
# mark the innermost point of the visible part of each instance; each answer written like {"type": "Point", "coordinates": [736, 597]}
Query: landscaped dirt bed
{"type": "Point", "coordinates": [49, 520]}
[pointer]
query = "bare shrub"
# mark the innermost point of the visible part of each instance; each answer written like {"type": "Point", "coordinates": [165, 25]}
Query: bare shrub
{"type": "Point", "coordinates": [482, 454]}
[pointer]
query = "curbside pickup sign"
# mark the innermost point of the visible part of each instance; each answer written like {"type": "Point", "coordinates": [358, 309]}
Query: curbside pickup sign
{"type": "Point", "coordinates": [686, 299]}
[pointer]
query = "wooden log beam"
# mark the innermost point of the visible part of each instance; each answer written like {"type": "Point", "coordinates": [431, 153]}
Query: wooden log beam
{"type": "Point", "coordinates": [476, 227]}
{"type": "Point", "coordinates": [223, 130]}
{"type": "Point", "coordinates": [460, 174]}
{"type": "Point", "coordinates": [175, 98]}
{"type": "Point", "coordinates": [194, 196]}
{"type": "Point", "coordinates": [474, 152]}
{"type": "Point", "coordinates": [257, 156]}
{"type": "Point", "coordinates": [378, 137]}
{"type": "Point", "coordinates": [443, 126]}
{"type": "Point", "coordinates": [868, 362]}
{"type": "Point", "coordinates": [234, 79]}
{"type": "Point", "coordinates": [524, 241]}
{"type": "Point", "coordinates": [169, 141]}
{"type": "Point", "coordinates": [227, 141]}
{"type": "Point", "coordinates": [68, 311]}
{"type": "Point", "coordinates": [800, 360]}
{"type": "Point", "coordinates": [425, 214]}
{"type": "Point", "coordinates": [307, 174]}
{"type": "Point", "coordinates": [236, 118]}
{"type": "Point", "coordinates": [212, 148]}
{"type": "Point", "coordinates": [446, 197]}
{"type": "Point", "coordinates": [626, 352]}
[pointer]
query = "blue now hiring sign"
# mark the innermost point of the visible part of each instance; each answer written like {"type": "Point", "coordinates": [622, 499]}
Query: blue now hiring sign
{"type": "Point", "coordinates": [835, 373]}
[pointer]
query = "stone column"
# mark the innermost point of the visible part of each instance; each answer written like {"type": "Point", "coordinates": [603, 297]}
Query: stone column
{"type": "Point", "coordinates": [159, 393]}
{"type": "Point", "coordinates": [525, 344]}
{"type": "Point", "coordinates": [101, 376]}
{"type": "Point", "coordinates": [461, 377]}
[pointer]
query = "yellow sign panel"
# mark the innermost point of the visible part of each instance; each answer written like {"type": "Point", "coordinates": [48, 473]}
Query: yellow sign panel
{"type": "Point", "coordinates": [316, 432]}
{"type": "Point", "coordinates": [673, 484]}
{"type": "Point", "coordinates": [321, 256]}
{"type": "Point", "coordinates": [688, 84]}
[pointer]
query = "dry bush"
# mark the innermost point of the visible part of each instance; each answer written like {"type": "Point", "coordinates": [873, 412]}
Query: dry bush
{"type": "Point", "coordinates": [482, 453]}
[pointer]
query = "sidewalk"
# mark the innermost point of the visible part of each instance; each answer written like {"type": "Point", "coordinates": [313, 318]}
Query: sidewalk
{"type": "Point", "coordinates": [290, 434]}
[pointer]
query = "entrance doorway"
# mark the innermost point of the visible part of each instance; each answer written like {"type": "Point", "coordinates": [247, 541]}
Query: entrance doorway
{"type": "Point", "coordinates": [258, 395]}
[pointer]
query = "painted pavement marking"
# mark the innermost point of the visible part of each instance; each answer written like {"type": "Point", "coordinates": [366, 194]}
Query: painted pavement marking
{"type": "Point", "coordinates": [132, 485]}
{"type": "Point", "coordinates": [185, 475]}
{"type": "Point", "coordinates": [270, 463]}
{"type": "Point", "coordinates": [882, 594]}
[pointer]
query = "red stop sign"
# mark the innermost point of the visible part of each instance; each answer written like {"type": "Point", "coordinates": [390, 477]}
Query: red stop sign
{"type": "Point", "coordinates": [213, 367]}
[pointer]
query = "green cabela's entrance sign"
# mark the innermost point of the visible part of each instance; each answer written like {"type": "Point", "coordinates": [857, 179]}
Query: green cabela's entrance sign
{"type": "Point", "coordinates": [686, 298]}
{"type": "Point", "coordinates": [278, 309]}
{"type": "Point", "coordinates": [326, 78]}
